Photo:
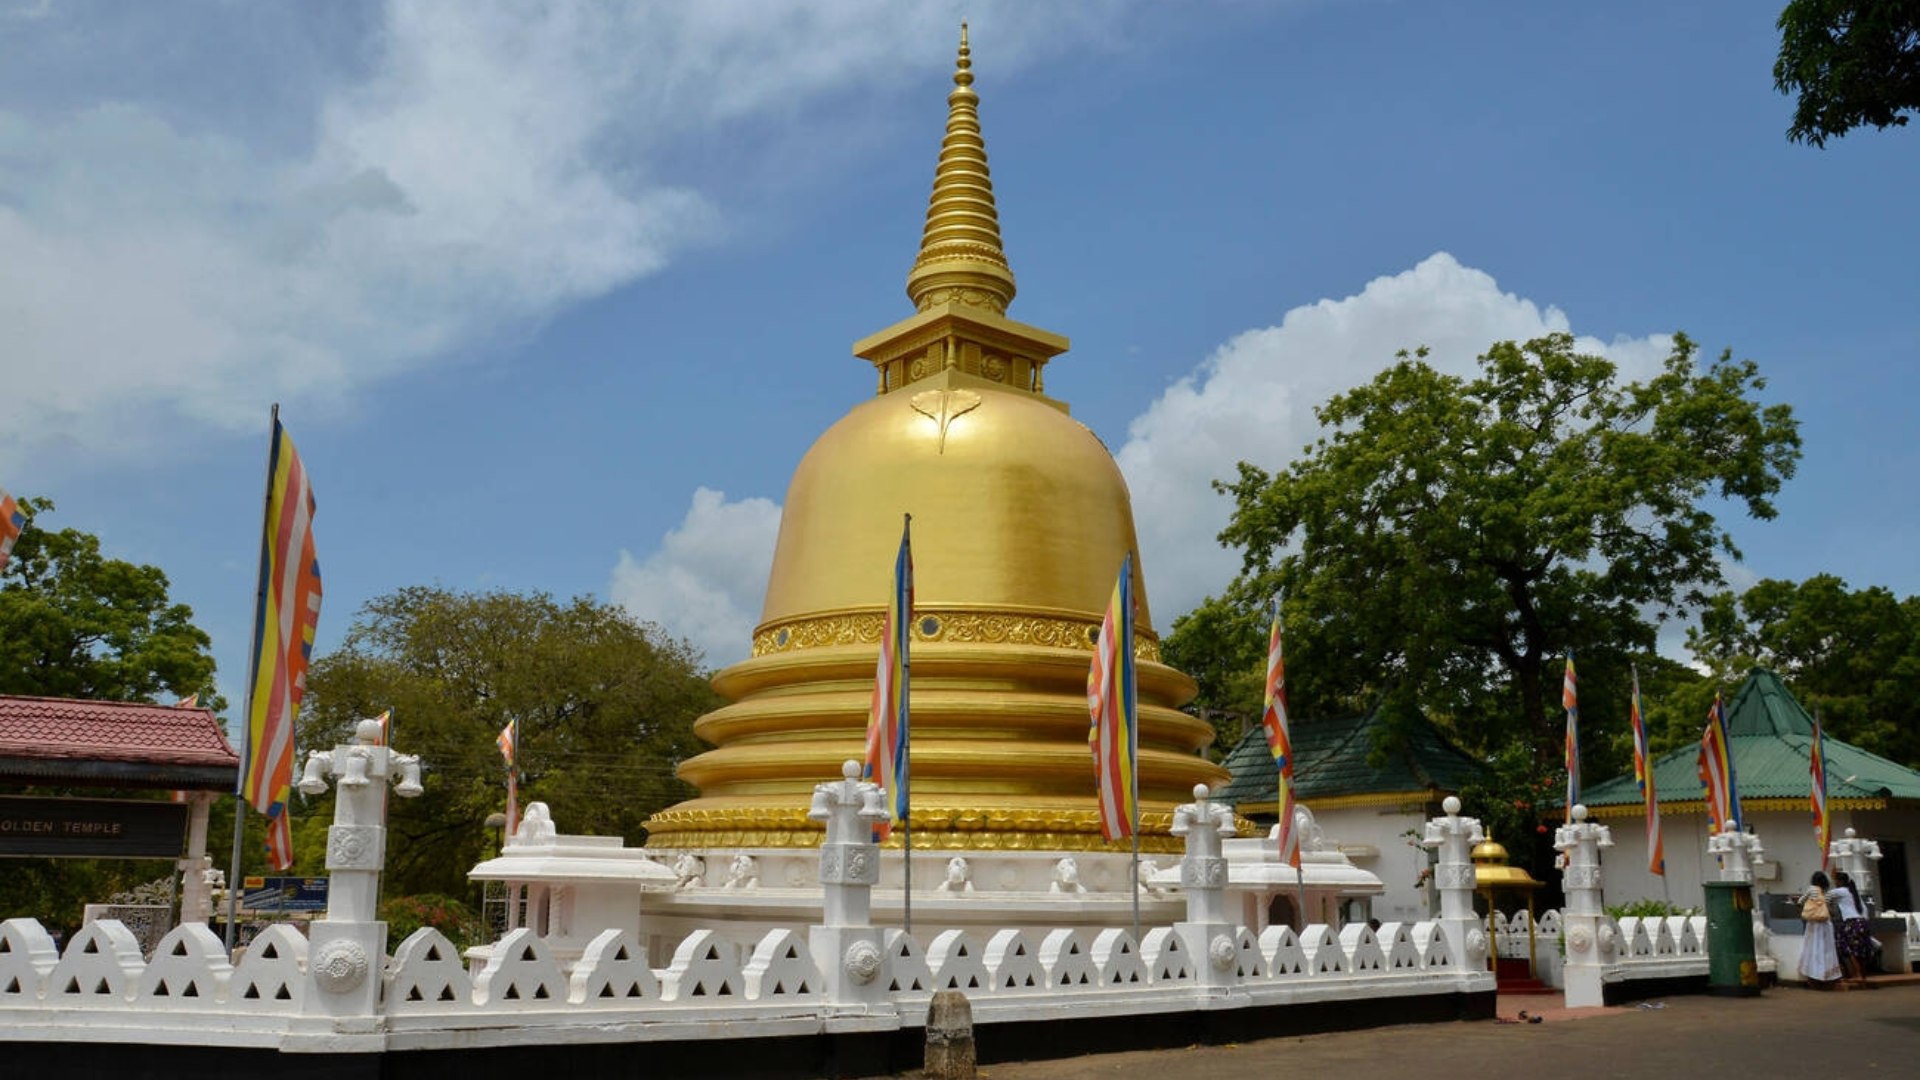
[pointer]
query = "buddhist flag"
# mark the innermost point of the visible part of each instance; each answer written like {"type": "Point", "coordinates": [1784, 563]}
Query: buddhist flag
{"type": "Point", "coordinates": [13, 521]}
{"type": "Point", "coordinates": [1718, 785]}
{"type": "Point", "coordinates": [1817, 764]}
{"type": "Point", "coordinates": [1273, 720]}
{"type": "Point", "coordinates": [509, 743]}
{"type": "Point", "coordinates": [888, 739]}
{"type": "Point", "coordinates": [386, 724]}
{"type": "Point", "coordinates": [1643, 776]}
{"type": "Point", "coordinates": [1570, 700]}
{"type": "Point", "coordinates": [1114, 735]}
{"type": "Point", "coordinates": [280, 840]}
{"type": "Point", "coordinates": [283, 629]}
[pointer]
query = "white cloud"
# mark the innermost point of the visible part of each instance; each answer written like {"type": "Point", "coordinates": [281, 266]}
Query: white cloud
{"type": "Point", "coordinates": [706, 580]}
{"type": "Point", "coordinates": [487, 167]}
{"type": "Point", "coordinates": [1253, 400]}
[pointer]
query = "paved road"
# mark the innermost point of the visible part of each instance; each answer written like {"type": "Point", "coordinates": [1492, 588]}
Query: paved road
{"type": "Point", "coordinates": [1787, 1032]}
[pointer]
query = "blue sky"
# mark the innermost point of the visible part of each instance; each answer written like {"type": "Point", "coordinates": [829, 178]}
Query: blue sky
{"type": "Point", "coordinates": [554, 297]}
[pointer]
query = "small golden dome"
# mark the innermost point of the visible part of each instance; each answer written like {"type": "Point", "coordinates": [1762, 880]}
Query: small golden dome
{"type": "Point", "coordinates": [1492, 872]}
{"type": "Point", "coordinates": [1489, 853]}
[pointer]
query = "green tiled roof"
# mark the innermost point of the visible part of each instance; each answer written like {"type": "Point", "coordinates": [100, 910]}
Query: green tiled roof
{"type": "Point", "coordinates": [1335, 757]}
{"type": "Point", "coordinates": [1769, 734]}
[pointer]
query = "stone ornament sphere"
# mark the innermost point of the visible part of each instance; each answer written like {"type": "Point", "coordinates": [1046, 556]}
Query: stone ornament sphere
{"type": "Point", "coordinates": [339, 966]}
{"type": "Point", "coordinates": [1609, 939]}
{"type": "Point", "coordinates": [1580, 939]}
{"type": "Point", "coordinates": [1222, 952]}
{"type": "Point", "coordinates": [1476, 944]}
{"type": "Point", "coordinates": [861, 962]}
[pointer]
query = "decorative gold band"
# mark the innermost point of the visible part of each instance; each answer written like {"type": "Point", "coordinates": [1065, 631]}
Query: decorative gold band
{"type": "Point", "coordinates": [933, 829]}
{"type": "Point", "coordinates": [990, 627]}
{"type": "Point", "coordinates": [1685, 807]}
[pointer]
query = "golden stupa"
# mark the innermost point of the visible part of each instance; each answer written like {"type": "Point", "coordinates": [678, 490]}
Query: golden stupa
{"type": "Point", "coordinates": [1020, 522]}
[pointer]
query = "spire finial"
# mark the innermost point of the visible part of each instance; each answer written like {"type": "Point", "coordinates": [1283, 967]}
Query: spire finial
{"type": "Point", "coordinates": [961, 259]}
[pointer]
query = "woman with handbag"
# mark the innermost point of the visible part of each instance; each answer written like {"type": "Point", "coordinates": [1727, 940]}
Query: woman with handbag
{"type": "Point", "coordinates": [1852, 938]}
{"type": "Point", "coordinates": [1819, 962]}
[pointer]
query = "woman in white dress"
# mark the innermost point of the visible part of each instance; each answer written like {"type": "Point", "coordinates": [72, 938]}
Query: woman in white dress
{"type": "Point", "coordinates": [1819, 961]}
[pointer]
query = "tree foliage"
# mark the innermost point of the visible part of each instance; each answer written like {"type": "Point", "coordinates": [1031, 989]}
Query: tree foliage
{"type": "Point", "coordinates": [1854, 655]}
{"type": "Point", "coordinates": [1851, 62]}
{"type": "Point", "coordinates": [74, 623]}
{"type": "Point", "coordinates": [1449, 539]}
{"type": "Point", "coordinates": [605, 706]}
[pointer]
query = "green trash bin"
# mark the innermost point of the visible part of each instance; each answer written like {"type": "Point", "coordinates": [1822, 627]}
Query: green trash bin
{"type": "Point", "coordinates": [1731, 970]}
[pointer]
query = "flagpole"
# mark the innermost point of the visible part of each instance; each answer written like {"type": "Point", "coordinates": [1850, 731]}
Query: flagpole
{"type": "Point", "coordinates": [905, 630]}
{"type": "Point", "coordinates": [246, 716]}
{"type": "Point", "coordinates": [1283, 795]}
{"type": "Point", "coordinates": [1133, 738]}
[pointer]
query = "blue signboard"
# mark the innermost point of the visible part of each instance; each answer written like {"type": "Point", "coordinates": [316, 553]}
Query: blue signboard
{"type": "Point", "coordinates": [274, 894]}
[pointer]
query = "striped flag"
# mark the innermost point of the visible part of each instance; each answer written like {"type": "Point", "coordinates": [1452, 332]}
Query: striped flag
{"type": "Point", "coordinates": [386, 724]}
{"type": "Point", "coordinates": [1643, 776]}
{"type": "Point", "coordinates": [1570, 700]}
{"type": "Point", "coordinates": [1717, 782]}
{"type": "Point", "coordinates": [889, 742]}
{"type": "Point", "coordinates": [1817, 764]}
{"type": "Point", "coordinates": [1114, 734]}
{"type": "Point", "coordinates": [283, 629]}
{"type": "Point", "coordinates": [13, 521]}
{"type": "Point", "coordinates": [509, 743]}
{"type": "Point", "coordinates": [280, 840]}
{"type": "Point", "coordinates": [1273, 719]}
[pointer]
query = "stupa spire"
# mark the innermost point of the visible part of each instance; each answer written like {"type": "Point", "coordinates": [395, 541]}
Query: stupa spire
{"type": "Point", "coordinates": [961, 260]}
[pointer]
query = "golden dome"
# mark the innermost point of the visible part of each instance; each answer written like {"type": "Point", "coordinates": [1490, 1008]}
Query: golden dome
{"type": "Point", "coordinates": [1490, 869]}
{"type": "Point", "coordinates": [1021, 520]}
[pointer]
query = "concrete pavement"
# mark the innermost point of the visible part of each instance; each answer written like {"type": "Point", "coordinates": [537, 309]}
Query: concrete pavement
{"type": "Point", "coordinates": [1786, 1032]}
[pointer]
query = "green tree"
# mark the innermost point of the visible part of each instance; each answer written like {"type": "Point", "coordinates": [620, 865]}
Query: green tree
{"type": "Point", "coordinates": [605, 706]}
{"type": "Point", "coordinates": [1448, 539]}
{"type": "Point", "coordinates": [1854, 655]}
{"type": "Point", "coordinates": [1851, 62]}
{"type": "Point", "coordinates": [74, 623]}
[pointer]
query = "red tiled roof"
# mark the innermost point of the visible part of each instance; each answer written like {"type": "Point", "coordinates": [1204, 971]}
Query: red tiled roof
{"type": "Point", "coordinates": [71, 730]}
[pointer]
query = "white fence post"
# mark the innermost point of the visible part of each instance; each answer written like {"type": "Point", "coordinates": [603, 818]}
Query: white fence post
{"type": "Point", "coordinates": [848, 949]}
{"type": "Point", "coordinates": [1452, 837]}
{"type": "Point", "coordinates": [348, 949]}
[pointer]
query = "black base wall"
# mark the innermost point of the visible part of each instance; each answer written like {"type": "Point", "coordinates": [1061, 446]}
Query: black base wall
{"type": "Point", "coordinates": [877, 1054]}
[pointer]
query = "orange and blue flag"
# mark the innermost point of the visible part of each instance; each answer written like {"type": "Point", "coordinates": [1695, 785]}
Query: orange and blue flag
{"type": "Point", "coordinates": [1643, 776]}
{"type": "Point", "coordinates": [1570, 700]}
{"type": "Point", "coordinates": [1273, 720]}
{"type": "Point", "coordinates": [1817, 765]}
{"type": "Point", "coordinates": [889, 741]}
{"type": "Point", "coordinates": [1114, 734]}
{"type": "Point", "coordinates": [280, 840]}
{"type": "Point", "coordinates": [283, 628]}
{"type": "Point", "coordinates": [1717, 782]}
{"type": "Point", "coordinates": [13, 522]}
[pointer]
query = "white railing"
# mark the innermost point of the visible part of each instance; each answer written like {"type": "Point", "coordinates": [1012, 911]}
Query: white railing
{"type": "Point", "coordinates": [338, 991]}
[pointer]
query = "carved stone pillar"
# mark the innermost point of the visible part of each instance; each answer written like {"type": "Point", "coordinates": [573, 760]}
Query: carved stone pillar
{"type": "Point", "coordinates": [1452, 838]}
{"type": "Point", "coordinates": [1208, 932]}
{"type": "Point", "coordinates": [1584, 928]}
{"type": "Point", "coordinates": [1856, 856]}
{"type": "Point", "coordinates": [349, 947]}
{"type": "Point", "coordinates": [846, 947]}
